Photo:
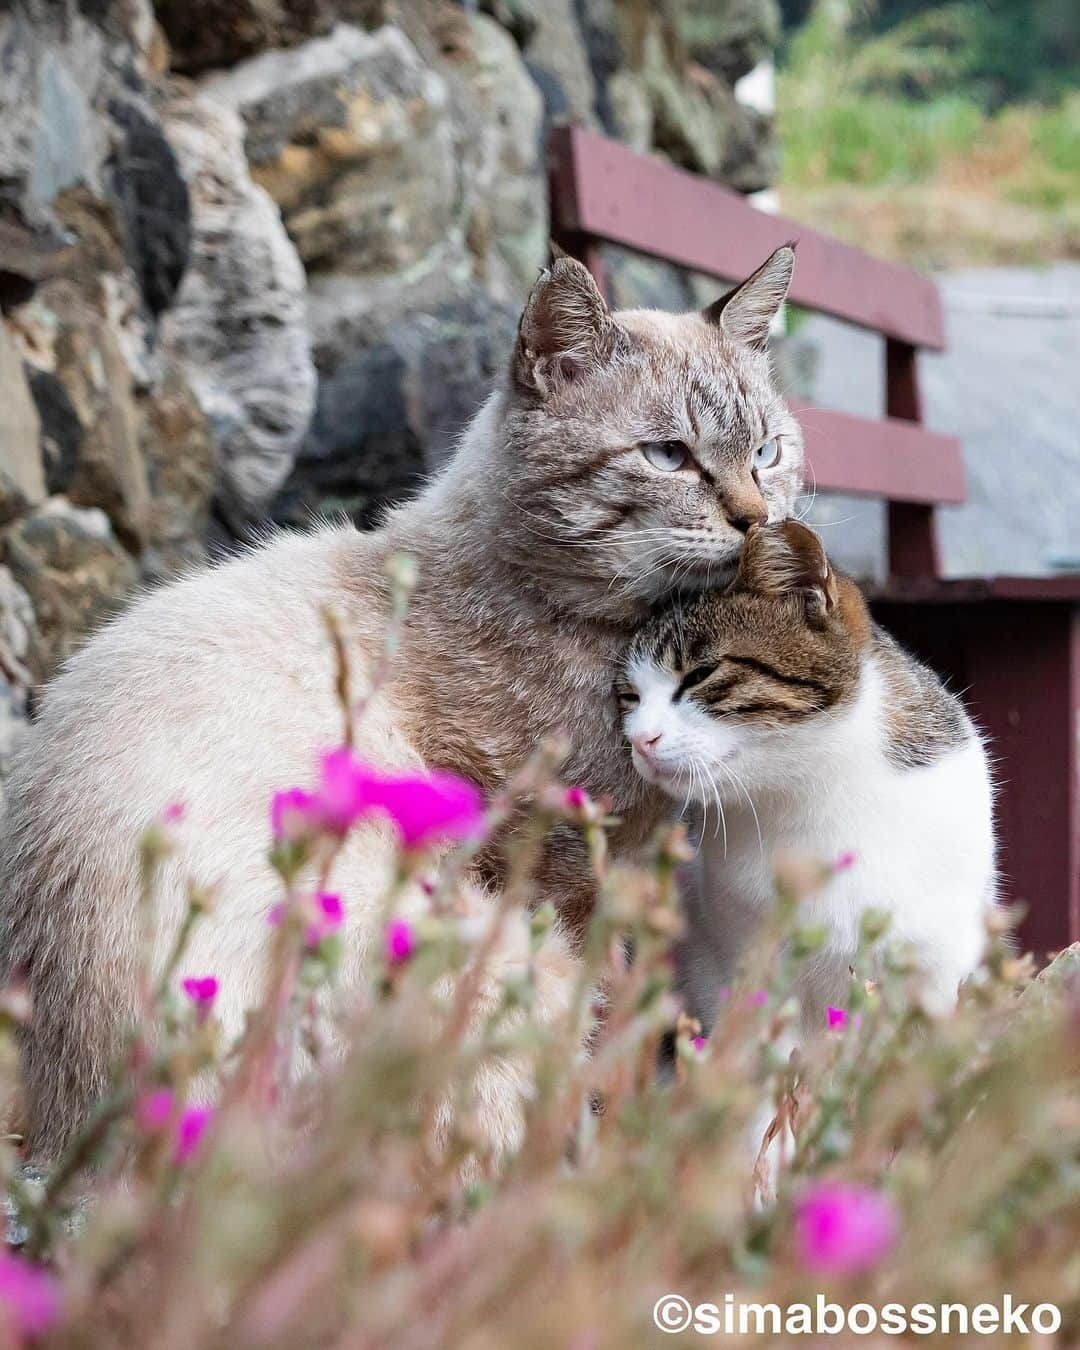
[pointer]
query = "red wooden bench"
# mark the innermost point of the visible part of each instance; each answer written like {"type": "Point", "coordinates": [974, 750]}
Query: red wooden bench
{"type": "Point", "coordinates": [1011, 643]}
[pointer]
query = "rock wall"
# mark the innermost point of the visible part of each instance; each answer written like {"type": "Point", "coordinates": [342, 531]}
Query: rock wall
{"type": "Point", "coordinates": [261, 259]}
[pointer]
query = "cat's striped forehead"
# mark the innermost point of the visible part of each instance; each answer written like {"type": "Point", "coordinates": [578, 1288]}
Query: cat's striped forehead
{"type": "Point", "coordinates": [676, 374]}
{"type": "Point", "coordinates": [751, 655]}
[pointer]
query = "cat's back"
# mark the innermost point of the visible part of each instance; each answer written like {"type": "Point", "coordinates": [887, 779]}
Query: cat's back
{"type": "Point", "coordinates": [197, 688]}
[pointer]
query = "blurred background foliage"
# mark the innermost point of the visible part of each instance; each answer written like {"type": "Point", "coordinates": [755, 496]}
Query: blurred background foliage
{"type": "Point", "coordinates": [952, 128]}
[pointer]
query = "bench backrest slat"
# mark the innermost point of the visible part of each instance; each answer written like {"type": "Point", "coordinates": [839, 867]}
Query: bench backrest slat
{"type": "Point", "coordinates": [604, 190]}
{"type": "Point", "coordinates": [898, 460]}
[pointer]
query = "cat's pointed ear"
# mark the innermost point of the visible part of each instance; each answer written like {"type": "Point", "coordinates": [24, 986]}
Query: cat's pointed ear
{"type": "Point", "coordinates": [785, 559]}
{"type": "Point", "coordinates": [746, 313]}
{"type": "Point", "coordinates": [565, 329]}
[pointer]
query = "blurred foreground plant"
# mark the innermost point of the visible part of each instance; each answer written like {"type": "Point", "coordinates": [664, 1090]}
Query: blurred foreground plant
{"type": "Point", "coordinates": [352, 1205]}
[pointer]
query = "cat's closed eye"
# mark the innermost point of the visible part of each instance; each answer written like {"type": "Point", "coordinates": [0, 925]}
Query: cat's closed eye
{"type": "Point", "coordinates": [666, 456]}
{"type": "Point", "coordinates": [694, 677]}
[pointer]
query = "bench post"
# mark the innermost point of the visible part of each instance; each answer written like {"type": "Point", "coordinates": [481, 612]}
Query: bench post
{"type": "Point", "coordinates": [1023, 661]}
{"type": "Point", "coordinates": [912, 534]}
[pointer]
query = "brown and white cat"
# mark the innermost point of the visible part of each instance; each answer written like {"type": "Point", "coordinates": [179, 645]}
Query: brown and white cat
{"type": "Point", "coordinates": [781, 705]}
{"type": "Point", "coordinates": [625, 453]}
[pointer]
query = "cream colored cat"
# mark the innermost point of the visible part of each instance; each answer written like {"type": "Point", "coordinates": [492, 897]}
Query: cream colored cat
{"type": "Point", "coordinates": [625, 452]}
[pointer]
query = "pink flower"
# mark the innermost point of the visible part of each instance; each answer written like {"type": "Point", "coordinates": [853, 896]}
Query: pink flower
{"type": "Point", "coordinates": [190, 1129]}
{"type": "Point", "coordinates": [427, 808]}
{"type": "Point", "coordinates": [348, 789]}
{"type": "Point", "coordinates": [842, 1229]}
{"type": "Point", "coordinates": [29, 1297]}
{"type": "Point", "coordinates": [174, 813]}
{"type": "Point", "coordinates": [759, 998]}
{"type": "Point", "coordinates": [576, 798]}
{"type": "Point", "coordinates": [154, 1111]}
{"type": "Point", "coordinates": [202, 991]}
{"type": "Point", "coordinates": [837, 1018]}
{"type": "Point", "coordinates": [699, 1043]}
{"type": "Point", "coordinates": [329, 916]}
{"type": "Point", "coordinates": [400, 941]}
{"type": "Point", "coordinates": [845, 862]}
{"type": "Point", "coordinates": [294, 815]}
{"type": "Point", "coordinates": [431, 808]}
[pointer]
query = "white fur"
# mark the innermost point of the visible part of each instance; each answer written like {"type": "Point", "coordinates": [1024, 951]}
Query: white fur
{"type": "Point", "coordinates": [922, 837]}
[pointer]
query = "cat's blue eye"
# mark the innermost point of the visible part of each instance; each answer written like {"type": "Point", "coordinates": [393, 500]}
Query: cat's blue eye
{"type": "Point", "coordinates": [767, 456]}
{"type": "Point", "coordinates": [667, 456]}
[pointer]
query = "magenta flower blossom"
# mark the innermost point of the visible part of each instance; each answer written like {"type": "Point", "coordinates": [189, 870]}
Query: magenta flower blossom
{"type": "Point", "coordinates": [174, 813]}
{"type": "Point", "coordinates": [400, 941]}
{"type": "Point", "coordinates": [576, 798]}
{"type": "Point", "coordinates": [293, 815]}
{"type": "Point", "coordinates": [431, 808]}
{"type": "Point", "coordinates": [329, 916]}
{"type": "Point", "coordinates": [325, 914]}
{"type": "Point", "coordinates": [842, 1229]}
{"type": "Point", "coordinates": [699, 1043]}
{"type": "Point", "coordinates": [154, 1111]}
{"type": "Point", "coordinates": [29, 1296]}
{"type": "Point", "coordinates": [202, 990]}
{"type": "Point", "coordinates": [837, 1018]}
{"type": "Point", "coordinates": [759, 998]}
{"type": "Point", "coordinates": [427, 808]}
{"type": "Point", "coordinates": [845, 862]}
{"type": "Point", "coordinates": [348, 789]}
{"type": "Point", "coordinates": [190, 1129]}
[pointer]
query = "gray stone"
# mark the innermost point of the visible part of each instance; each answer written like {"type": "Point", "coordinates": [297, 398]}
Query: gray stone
{"type": "Point", "coordinates": [731, 38]}
{"type": "Point", "coordinates": [181, 458]}
{"type": "Point", "coordinates": [645, 283]}
{"type": "Point", "coordinates": [498, 117]}
{"type": "Point", "coordinates": [74, 571]}
{"type": "Point", "coordinates": [390, 413]}
{"type": "Point", "coordinates": [17, 635]}
{"type": "Point", "coordinates": [210, 33]}
{"type": "Point", "coordinates": [104, 465]}
{"type": "Point", "coordinates": [349, 135]}
{"type": "Point", "coordinates": [557, 48]}
{"type": "Point", "coordinates": [146, 182]}
{"type": "Point", "coordinates": [50, 138]}
{"type": "Point", "coordinates": [237, 324]}
{"type": "Point", "coordinates": [22, 474]}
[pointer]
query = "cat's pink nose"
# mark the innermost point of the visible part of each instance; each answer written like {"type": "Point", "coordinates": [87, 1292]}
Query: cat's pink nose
{"type": "Point", "coordinates": [645, 745]}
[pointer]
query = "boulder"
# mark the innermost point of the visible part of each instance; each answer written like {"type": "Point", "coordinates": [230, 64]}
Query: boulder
{"type": "Point", "coordinates": [207, 33]}
{"type": "Point", "coordinates": [53, 67]}
{"type": "Point", "coordinates": [87, 408]}
{"type": "Point", "coordinates": [146, 182]}
{"type": "Point", "coordinates": [349, 134]}
{"type": "Point", "coordinates": [74, 571]}
{"type": "Point", "coordinates": [237, 324]}
{"type": "Point", "coordinates": [389, 413]}
{"type": "Point", "coordinates": [17, 635]}
{"type": "Point", "coordinates": [181, 457]}
{"type": "Point", "coordinates": [730, 39]}
{"type": "Point", "coordinates": [22, 473]}
{"type": "Point", "coordinates": [556, 52]}
{"type": "Point", "coordinates": [498, 118]}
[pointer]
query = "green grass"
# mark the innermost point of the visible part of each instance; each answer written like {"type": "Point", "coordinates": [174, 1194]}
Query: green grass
{"type": "Point", "coordinates": [870, 139]}
{"type": "Point", "coordinates": [937, 173]}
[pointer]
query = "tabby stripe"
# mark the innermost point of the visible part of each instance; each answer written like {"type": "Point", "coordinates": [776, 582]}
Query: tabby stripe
{"type": "Point", "coordinates": [763, 668]}
{"type": "Point", "coordinates": [579, 472]}
{"type": "Point", "coordinates": [712, 691]}
{"type": "Point", "coordinates": [764, 706]}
